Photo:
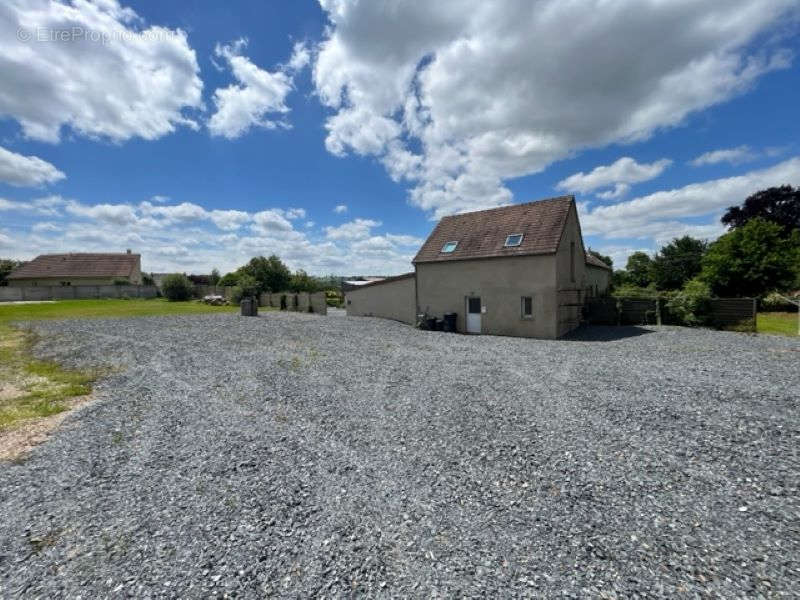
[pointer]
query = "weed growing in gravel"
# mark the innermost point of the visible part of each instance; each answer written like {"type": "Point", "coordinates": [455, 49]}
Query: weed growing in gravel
{"type": "Point", "coordinates": [31, 388]}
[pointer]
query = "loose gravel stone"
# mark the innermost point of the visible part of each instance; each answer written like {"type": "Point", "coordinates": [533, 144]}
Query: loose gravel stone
{"type": "Point", "coordinates": [297, 455]}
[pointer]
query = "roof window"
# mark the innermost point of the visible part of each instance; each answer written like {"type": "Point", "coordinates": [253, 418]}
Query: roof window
{"type": "Point", "coordinates": [449, 247]}
{"type": "Point", "coordinates": [515, 239]}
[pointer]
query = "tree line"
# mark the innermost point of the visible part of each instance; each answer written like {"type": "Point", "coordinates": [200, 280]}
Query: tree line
{"type": "Point", "coordinates": [759, 254]}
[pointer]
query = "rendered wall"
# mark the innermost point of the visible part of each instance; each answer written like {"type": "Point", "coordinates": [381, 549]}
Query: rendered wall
{"type": "Point", "coordinates": [598, 280]}
{"type": "Point", "coordinates": [389, 300]}
{"type": "Point", "coordinates": [571, 289]}
{"type": "Point", "coordinates": [500, 283]}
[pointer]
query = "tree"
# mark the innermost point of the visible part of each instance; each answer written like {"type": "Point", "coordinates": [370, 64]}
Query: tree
{"type": "Point", "coordinates": [246, 287]}
{"type": "Point", "coordinates": [606, 259]}
{"type": "Point", "coordinates": [677, 262]}
{"type": "Point", "coordinates": [638, 268]}
{"type": "Point", "coordinates": [780, 205]}
{"type": "Point", "coordinates": [214, 277]}
{"type": "Point", "coordinates": [751, 260]}
{"type": "Point", "coordinates": [271, 274]}
{"type": "Point", "coordinates": [303, 282]}
{"type": "Point", "coordinates": [177, 287]}
{"type": "Point", "coordinates": [6, 266]}
{"type": "Point", "coordinates": [229, 279]}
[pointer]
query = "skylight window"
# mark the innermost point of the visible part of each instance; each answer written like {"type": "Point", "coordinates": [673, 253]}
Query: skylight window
{"type": "Point", "coordinates": [514, 239]}
{"type": "Point", "coordinates": [449, 247]}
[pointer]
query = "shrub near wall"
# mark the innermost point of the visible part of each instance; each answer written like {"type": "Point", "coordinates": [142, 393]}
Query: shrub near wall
{"type": "Point", "coordinates": [177, 287]}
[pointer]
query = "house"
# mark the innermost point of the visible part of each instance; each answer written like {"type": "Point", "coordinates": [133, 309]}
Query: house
{"type": "Point", "coordinates": [516, 270]}
{"type": "Point", "coordinates": [78, 269]}
{"type": "Point", "coordinates": [598, 276]}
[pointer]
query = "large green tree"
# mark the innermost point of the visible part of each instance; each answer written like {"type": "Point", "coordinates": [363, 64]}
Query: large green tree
{"type": "Point", "coordinates": [751, 260]}
{"type": "Point", "coordinates": [638, 267]}
{"type": "Point", "coordinates": [677, 262]}
{"type": "Point", "coordinates": [271, 274]}
{"type": "Point", "coordinates": [780, 205]}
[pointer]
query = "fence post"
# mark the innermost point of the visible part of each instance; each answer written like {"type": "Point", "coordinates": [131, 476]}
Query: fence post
{"type": "Point", "coordinates": [658, 312]}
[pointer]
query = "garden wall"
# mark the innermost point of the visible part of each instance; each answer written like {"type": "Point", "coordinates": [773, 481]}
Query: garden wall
{"type": "Point", "coordinates": [76, 292]}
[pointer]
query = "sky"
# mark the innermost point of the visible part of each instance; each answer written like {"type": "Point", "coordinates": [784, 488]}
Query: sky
{"type": "Point", "coordinates": [336, 133]}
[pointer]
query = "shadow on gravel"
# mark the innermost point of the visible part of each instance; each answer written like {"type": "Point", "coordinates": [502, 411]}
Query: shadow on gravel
{"type": "Point", "coordinates": [603, 333]}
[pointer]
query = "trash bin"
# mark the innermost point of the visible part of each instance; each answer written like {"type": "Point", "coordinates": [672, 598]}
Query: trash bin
{"type": "Point", "coordinates": [439, 325]}
{"type": "Point", "coordinates": [249, 306]}
{"type": "Point", "coordinates": [450, 322]}
{"type": "Point", "coordinates": [431, 323]}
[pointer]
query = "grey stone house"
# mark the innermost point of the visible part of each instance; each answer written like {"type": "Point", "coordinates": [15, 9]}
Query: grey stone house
{"type": "Point", "coordinates": [517, 270]}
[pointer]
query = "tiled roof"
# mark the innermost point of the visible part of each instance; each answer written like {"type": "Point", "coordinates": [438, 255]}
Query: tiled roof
{"type": "Point", "coordinates": [78, 265]}
{"type": "Point", "coordinates": [593, 261]}
{"type": "Point", "coordinates": [482, 234]}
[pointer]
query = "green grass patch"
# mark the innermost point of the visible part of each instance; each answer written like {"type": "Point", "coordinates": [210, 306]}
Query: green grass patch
{"type": "Point", "coordinates": [31, 388]}
{"type": "Point", "coordinates": [83, 309]}
{"type": "Point", "coordinates": [777, 323]}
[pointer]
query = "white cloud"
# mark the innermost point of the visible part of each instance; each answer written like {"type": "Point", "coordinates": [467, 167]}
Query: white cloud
{"type": "Point", "coordinates": [620, 174]}
{"type": "Point", "coordinates": [340, 209]}
{"type": "Point", "coordinates": [45, 226]}
{"type": "Point", "coordinates": [108, 76]}
{"type": "Point", "coordinates": [458, 96]}
{"type": "Point", "coordinates": [659, 215]}
{"type": "Point", "coordinates": [19, 170]}
{"type": "Point", "coordinates": [270, 222]}
{"type": "Point", "coordinates": [301, 56]}
{"type": "Point", "coordinates": [257, 93]}
{"type": "Point", "coordinates": [295, 213]}
{"type": "Point", "coordinates": [48, 205]}
{"type": "Point", "coordinates": [733, 156]}
{"type": "Point", "coordinates": [354, 230]}
{"type": "Point", "coordinates": [116, 214]}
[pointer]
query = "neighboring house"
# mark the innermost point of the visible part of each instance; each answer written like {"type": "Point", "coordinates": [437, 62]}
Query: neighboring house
{"type": "Point", "coordinates": [79, 269]}
{"type": "Point", "coordinates": [598, 276]}
{"type": "Point", "coordinates": [516, 270]}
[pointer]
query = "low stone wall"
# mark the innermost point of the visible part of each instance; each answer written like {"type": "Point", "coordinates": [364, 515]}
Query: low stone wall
{"type": "Point", "coordinates": [76, 292]}
{"type": "Point", "coordinates": [264, 299]}
{"type": "Point", "coordinates": [319, 304]}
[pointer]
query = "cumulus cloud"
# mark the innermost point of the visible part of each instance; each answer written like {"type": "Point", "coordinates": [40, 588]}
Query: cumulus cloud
{"type": "Point", "coordinates": [620, 174]}
{"type": "Point", "coordinates": [354, 230]}
{"type": "Point", "coordinates": [460, 95]}
{"type": "Point", "coordinates": [19, 170]}
{"type": "Point", "coordinates": [109, 76]}
{"type": "Point", "coordinates": [340, 209]}
{"type": "Point", "coordinates": [733, 156]}
{"type": "Point", "coordinates": [48, 206]}
{"type": "Point", "coordinates": [661, 215]}
{"type": "Point", "coordinates": [258, 99]}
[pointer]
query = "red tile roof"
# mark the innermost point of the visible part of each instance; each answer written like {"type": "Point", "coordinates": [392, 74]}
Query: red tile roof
{"type": "Point", "coordinates": [482, 234]}
{"type": "Point", "coordinates": [593, 261]}
{"type": "Point", "coordinates": [78, 265]}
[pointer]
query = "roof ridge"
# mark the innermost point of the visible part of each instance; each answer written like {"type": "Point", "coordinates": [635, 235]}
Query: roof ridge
{"type": "Point", "coordinates": [569, 197]}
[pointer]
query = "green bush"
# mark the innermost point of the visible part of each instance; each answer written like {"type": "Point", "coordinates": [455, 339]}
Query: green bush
{"type": "Point", "coordinates": [775, 302]}
{"type": "Point", "coordinates": [634, 291]}
{"type": "Point", "coordinates": [177, 287]}
{"type": "Point", "coordinates": [690, 306]}
{"type": "Point", "coordinates": [247, 286]}
{"type": "Point", "coordinates": [121, 281]}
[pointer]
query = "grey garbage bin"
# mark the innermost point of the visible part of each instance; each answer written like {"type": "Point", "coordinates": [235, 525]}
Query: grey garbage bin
{"type": "Point", "coordinates": [249, 306]}
{"type": "Point", "coordinates": [450, 322]}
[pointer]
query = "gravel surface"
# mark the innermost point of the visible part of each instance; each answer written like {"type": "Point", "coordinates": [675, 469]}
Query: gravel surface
{"type": "Point", "coordinates": [298, 455]}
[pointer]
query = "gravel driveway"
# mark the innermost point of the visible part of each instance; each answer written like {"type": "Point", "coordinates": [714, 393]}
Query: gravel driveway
{"type": "Point", "coordinates": [298, 455]}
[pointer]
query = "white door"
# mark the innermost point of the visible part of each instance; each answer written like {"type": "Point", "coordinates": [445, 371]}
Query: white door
{"type": "Point", "coordinates": [473, 315]}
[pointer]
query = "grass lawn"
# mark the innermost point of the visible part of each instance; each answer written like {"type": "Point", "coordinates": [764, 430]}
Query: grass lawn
{"type": "Point", "coordinates": [30, 388]}
{"type": "Point", "coordinates": [777, 323]}
{"type": "Point", "coordinates": [79, 309]}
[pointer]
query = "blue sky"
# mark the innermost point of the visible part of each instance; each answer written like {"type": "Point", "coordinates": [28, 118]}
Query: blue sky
{"type": "Point", "coordinates": [335, 134]}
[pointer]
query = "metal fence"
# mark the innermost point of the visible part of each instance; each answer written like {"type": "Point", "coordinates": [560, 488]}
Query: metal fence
{"type": "Point", "coordinates": [76, 292]}
{"type": "Point", "coordinates": [726, 313]}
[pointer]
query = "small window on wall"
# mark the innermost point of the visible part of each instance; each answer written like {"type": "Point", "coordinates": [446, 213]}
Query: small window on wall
{"type": "Point", "coordinates": [527, 307]}
{"type": "Point", "coordinates": [449, 247]}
